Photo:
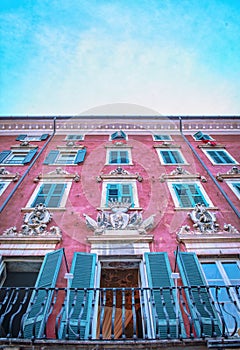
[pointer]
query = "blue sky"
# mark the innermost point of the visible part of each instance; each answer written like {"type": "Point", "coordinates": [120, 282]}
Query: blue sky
{"type": "Point", "coordinates": [69, 56]}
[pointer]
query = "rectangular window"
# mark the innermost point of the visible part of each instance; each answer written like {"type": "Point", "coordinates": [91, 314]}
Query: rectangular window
{"type": "Point", "coordinates": [65, 157]}
{"type": "Point", "coordinates": [25, 137]}
{"type": "Point", "coordinates": [171, 157]}
{"type": "Point", "coordinates": [119, 193]}
{"type": "Point", "coordinates": [235, 187]}
{"type": "Point", "coordinates": [224, 273]}
{"type": "Point", "coordinates": [50, 194]}
{"type": "Point", "coordinates": [118, 157]}
{"type": "Point", "coordinates": [74, 137]}
{"type": "Point", "coordinates": [161, 137]}
{"type": "Point", "coordinates": [220, 156]}
{"type": "Point", "coordinates": [17, 156]}
{"type": "Point", "coordinates": [3, 186]}
{"type": "Point", "coordinates": [187, 195]}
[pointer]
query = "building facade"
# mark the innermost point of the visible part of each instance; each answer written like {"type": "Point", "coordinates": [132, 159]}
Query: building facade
{"type": "Point", "coordinates": [120, 232]}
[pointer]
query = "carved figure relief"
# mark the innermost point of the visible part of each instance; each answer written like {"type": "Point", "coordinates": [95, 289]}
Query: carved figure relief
{"type": "Point", "coordinates": [203, 219]}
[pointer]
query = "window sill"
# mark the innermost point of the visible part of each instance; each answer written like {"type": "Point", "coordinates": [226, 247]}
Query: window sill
{"type": "Point", "coordinates": [7, 164]}
{"type": "Point", "coordinates": [175, 164]}
{"type": "Point", "coordinates": [192, 208]}
{"type": "Point", "coordinates": [29, 209]}
{"type": "Point", "coordinates": [109, 209]}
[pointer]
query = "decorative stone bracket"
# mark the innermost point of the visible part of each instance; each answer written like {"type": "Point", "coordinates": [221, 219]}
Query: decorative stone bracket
{"type": "Point", "coordinates": [6, 175]}
{"type": "Point", "coordinates": [233, 173]}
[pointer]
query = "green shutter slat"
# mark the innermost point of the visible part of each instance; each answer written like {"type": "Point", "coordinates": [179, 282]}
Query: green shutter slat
{"type": "Point", "coordinates": [44, 137]}
{"type": "Point", "coordinates": [21, 137]}
{"type": "Point", "coordinates": [192, 276]}
{"type": "Point", "coordinates": [36, 314]}
{"type": "Point", "coordinates": [159, 275]}
{"type": "Point", "coordinates": [118, 135]}
{"type": "Point", "coordinates": [51, 157]}
{"type": "Point", "coordinates": [80, 156]}
{"type": "Point", "coordinates": [30, 156]}
{"type": "Point", "coordinates": [166, 157]}
{"type": "Point", "coordinates": [83, 270]}
{"type": "Point", "coordinates": [3, 155]}
{"type": "Point", "coordinates": [177, 157]}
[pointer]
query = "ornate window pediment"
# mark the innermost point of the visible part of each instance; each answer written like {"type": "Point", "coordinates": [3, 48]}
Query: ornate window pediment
{"type": "Point", "coordinates": [233, 173]}
{"type": "Point", "coordinates": [7, 176]}
{"type": "Point", "coordinates": [119, 174]}
{"type": "Point", "coordinates": [181, 173]}
{"type": "Point", "coordinates": [58, 174]}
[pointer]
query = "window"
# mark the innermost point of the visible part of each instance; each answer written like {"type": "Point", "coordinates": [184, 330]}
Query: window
{"type": "Point", "coordinates": [65, 157]}
{"type": "Point", "coordinates": [224, 273]}
{"type": "Point", "coordinates": [3, 186]}
{"type": "Point", "coordinates": [187, 195]}
{"type": "Point", "coordinates": [118, 135]}
{"type": "Point", "coordinates": [235, 186]}
{"type": "Point", "coordinates": [25, 137]}
{"type": "Point", "coordinates": [53, 195]}
{"type": "Point", "coordinates": [117, 156]}
{"type": "Point", "coordinates": [220, 156]}
{"type": "Point", "coordinates": [120, 192]}
{"type": "Point", "coordinates": [161, 137]}
{"type": "Point", "coordinates": [171, 156]}
{"type": "Point", "coordinates": [16, 157]}
{"type": "Point", "coordinates": [74, 137]}
{"type": "Point", "coordinates": [199, 136]}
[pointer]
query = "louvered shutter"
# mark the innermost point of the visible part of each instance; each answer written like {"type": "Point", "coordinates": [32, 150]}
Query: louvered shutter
{"type": "Point", "coordinates": [199, 300]}
{"type": "Point", "coordinates": [159, 275]}
{"type": "Point", "coordinates": [51, 157]}
{"type": "Point", "coordinates": [80, 156]}
{"type": "Point", "coordinates": [196, 195]}
{"type": "Point", "coordinates": [36, 316]}
{"type": "Point", "coordinates": [80, 301]}
{"type": "Point", "coordinates": [4, 155]}
{"type": "Point", "coordinates": [166, 157]}
{"type": "Point", "coordinates": [50, 195]}
{"type": "Point", "coordinates": [177, 157]}
{"type": "Point", "coordinates": [21, 137]}
{"type": "Point", "coordinates": [30, 156]}
{"type": "Point", "coordinates": [123, 157]}
{"type": "Point", "coordinates": [44, 137]}
{"type": "Point", "coordinates": [181, 191]}
{"type": "Point", "coordinates": [225, 157]}
{"type": "Point", "coordinates": [113, 157]}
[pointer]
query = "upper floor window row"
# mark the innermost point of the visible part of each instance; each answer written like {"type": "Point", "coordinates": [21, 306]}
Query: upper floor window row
{"type": "Point", "coordinates": [17, 157]}
{"type": "Point", "coordinates": [25, 137]}
{"type": "Point", "coordinates": [77, 137]}
{"type": "Point", "coordinates": [65, 157]}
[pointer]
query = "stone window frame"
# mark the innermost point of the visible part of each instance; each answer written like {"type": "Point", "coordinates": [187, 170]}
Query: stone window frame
{"type": "Point", "coordinates": [206, 149]}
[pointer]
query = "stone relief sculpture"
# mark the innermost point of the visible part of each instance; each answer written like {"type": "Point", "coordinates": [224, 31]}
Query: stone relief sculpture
{"type": "Point", "coordinates": [203, 219]}
{"type": "Point", "coordinates": [205, 222]}
{"type": "Point", "coordinates": [35, 224]}
{"type": "Point", "coordinates": [119, 219]}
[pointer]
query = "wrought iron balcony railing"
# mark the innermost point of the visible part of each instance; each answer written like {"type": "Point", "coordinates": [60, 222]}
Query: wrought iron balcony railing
{"type": "Point", "coordinates": [120, 313]}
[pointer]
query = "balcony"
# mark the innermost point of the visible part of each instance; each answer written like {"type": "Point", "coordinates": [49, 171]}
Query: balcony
{"type": "Point", "coordinates": [133, 316]}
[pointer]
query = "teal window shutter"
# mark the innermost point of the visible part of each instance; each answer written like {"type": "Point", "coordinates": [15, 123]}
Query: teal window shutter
{"type": "Point", "coordinates": [164, 312]}
{"type": "Point", "coordinates": [80, 301]}
{"type": "Point", "coordinates": [236, 186]}
{"type": "Point", "coordinates": [119, 193]}
{"type": "Point", "coordinates": [21, 137]}
{"type": "Point", "coordinates": [118, 135]}
{"type": "Point", "coordinates": [118, 157]}
{"type": "Point", "coordinates": [80, 156]}
{"type": "Point", "coordinates": [203, 314]}
{"type": "Point", "coordinates": [172, 157]}
{"type": "Point", "coordinates": [3, 155]}
{"type": "Point", "coordinates": [161, 137]}
{"type": "Point", "coordinates": [189, 195]}
{"type": "Point", "coordinates": [36, 316]}
{"type": "Point", "coordinates": [30, 156]}
{"type": "Point", "coordinates": [50, 195]}
{"type": "Point", "coordinates": [51, 157]}
{"type": "Point", "coordinates": [44, 137]}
